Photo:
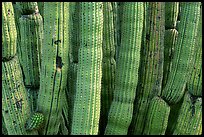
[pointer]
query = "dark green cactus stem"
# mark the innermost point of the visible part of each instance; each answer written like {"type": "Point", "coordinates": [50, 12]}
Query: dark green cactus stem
{"type": "Point", "coordinates": [41, 8]}
{"type": "Point", "coordinates": [108, 65]}
{"type": "Point", "coordinates": [63, 130]}
{"type": "Point", "coordinates": [71, 83]}
{"type": "Point", "coordinates": [173, 117]}
{"type": "Point", "coordinates": [74, 11]}
{"type": "Point", "coordinates": [32, 97]}
{"type": "Point", "coordinates": [28, 8]}
{"type": "Point", "coordinates": [15, 104]}
{"type": "Point", "coordinates": [4, 130]}
{"type": "Point", "coordinates": [183, 52]}
{"type": "Point", "coordinates": [151, 65]}
{"type": "Point", "coordinates": [31, 32]}
{"type": "Point", "coordinates": [157, 117]}
{"type": "Point", "coordinates": [171, 14]}
{"type": "Point", "coordinates": [55, 59]}
{"type": "Point", "coordinates": [86, 110]}
{"type": "Point", "coordinates": [169, 47]}
{"type": "Point", "coordinates": [194, 85]}
{"type": "Point", "coordinates": [121, 110]}
{"type": "Point", "coordinates": [9, 34]}
{"type": "Point", "coordinates": [190, 116]}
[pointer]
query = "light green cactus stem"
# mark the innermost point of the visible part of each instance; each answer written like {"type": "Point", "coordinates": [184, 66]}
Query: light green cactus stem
{"type": "Point", "coordinates": [108, 65]}
{"type": "Point", "coordinates": [53, 76]}
{"type": "Point", "coordinates": [151, 65]}
{"type": "Point", "coordinates": [31, 32]}
{"type": "Point", "coordinates": [86, 110]}
{"type": "Point", "coordinates": [121, 110]}
{"type": "Point", "coordinates": [183, 52]}
{"type": "Point", "coordinates": [194, 85]}
{"type": "Point", "coordinates": [171, 14]}
{"type": "Point", "coordinates": [15, 105]}
{"type": "Point", "coordinates": [190, 116]}
{"type": "Point", "coordinates": [28, 8]}
{"type": "Point", "coordinates": [9, 34]}
{"type": "Point", "coordinates": [157, 117]}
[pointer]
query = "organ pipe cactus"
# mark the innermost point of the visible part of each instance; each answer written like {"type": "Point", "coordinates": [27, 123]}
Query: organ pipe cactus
{"type": "Point", "coordinates": [151, 64]}
{"type": "Point", "coordinates": [95, 68]}
{"type": "Point", "coordinates": [53, 76]}
{"type": "Point", "coordinates": [128, 59]}
{"type": "Point", "coordinates": [86, 109]}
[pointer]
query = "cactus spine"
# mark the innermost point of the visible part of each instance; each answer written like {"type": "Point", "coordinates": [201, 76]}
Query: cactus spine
{"type": "Point", "coordinates": [121, 109]}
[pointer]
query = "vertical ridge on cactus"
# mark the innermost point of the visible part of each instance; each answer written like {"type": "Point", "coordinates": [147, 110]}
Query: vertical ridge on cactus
{"type": "Point", "coordinates": [54, 70]}
{"type": "Point", "coordinates": [126, 69]}
{"type": "Point", "coordinates": [101, 68]}
{"type": "Point", "coordinates": [86, 109]}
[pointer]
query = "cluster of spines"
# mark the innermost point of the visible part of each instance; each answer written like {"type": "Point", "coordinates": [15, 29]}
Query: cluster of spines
{"type": "Point", "coordinates": [35, 121]}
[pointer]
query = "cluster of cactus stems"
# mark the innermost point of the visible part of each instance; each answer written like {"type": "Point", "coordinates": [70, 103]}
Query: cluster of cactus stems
{"type": "Point", "coordinates": [101, 68]}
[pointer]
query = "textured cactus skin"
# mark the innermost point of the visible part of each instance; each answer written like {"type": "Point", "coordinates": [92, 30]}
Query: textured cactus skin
{"type": "Point", "coordinates": [169, 47]}
{"type": "Point", "coordinates": [194, 85]}
{"type": "Point", "coordinates": [28, 8]}
{"type": "Point", "coordinates": [189, 121]}
{"type": "Point", "coordinates": [157, 117]}
{"type": "Point", "coordinates": [86, 109]}
{"type": "Point", "coordinates": [174, 89]}
{"type": "Point", "coordinates": [151, 65]}
{"type": "Point", "coordinates": [108, 65]}
{"type": "Point", "coordinates": [31, 32]}
{"type": "Point", "coordinates": [15, 105]}
{"type": "Point", "coordinates": [53, 76]}
{"type": "Point", "coordinates": [128, 59]}
{"type": "Point", "coordinates": [9, 34]}
{"type": "Point", "coordinates": [171, 14]}
{"type": "Point", "coordinates": [95, 68]}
